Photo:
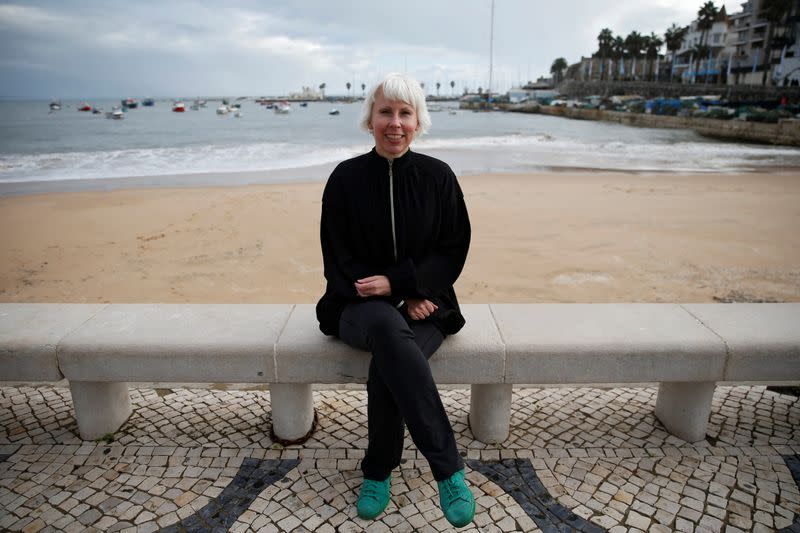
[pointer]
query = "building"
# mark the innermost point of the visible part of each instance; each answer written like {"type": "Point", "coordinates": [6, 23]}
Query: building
{"type": "Point", "coordinates": [701, 57]}
{"type": "Point", "coordinates": [747, 47]}
{"type": "Point", "coordinates": [596, 68]}
{"type": "Point", "coordinates": [307, 93]}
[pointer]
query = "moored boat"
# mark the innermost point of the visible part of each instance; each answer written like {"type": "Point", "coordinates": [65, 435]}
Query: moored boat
{"type": "Point", "coordinates": [55, 105]}
{"type": "Point", "coordinates": [283, 108]}
{"type": "Point", "coordinates": [84, 107]}
{"type": "Point", "coordinates": [130, 103]}
{"type": "Point", "coordinates": [148, 102]}
{"type": "Point", "coordinates": [223, 110]}
{"type": "Point", "coordinates": [333, 112]}
{"type": "Point", "coordinates": [178, 107]}
{"type": "Point", "coordinates": [116, 113]}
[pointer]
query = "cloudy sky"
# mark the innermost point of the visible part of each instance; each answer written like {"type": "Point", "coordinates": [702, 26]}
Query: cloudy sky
{"type": "Point", "coordinates": [110, 48]}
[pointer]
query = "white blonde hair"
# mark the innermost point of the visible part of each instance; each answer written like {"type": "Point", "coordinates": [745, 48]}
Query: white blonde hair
{"type": "Point", "coordinates": [402, 88]}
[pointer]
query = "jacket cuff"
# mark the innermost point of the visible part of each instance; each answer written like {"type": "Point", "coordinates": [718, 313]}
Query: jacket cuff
{"type": "Point", "coordinates": [403, 279]}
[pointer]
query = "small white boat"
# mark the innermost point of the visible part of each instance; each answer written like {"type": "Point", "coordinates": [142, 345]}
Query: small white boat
{"type": "Point", "coordinates": [238, 114]}
{"type": "Point", "coordinates": [333, 112]}
{"type": "Point", "coordinates": [116, 113]}
{"type": "Point", "coordinates": [283, 108]}
{"type": "Point", "coordinates": [223, 110]}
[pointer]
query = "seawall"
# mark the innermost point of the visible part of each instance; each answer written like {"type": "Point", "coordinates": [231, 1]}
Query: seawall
{"type": "Point", "coordinates": [785, 132]}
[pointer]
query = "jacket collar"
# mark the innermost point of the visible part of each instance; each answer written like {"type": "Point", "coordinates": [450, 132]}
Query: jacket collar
{"type": "Point", "coordinates": [398, 162]}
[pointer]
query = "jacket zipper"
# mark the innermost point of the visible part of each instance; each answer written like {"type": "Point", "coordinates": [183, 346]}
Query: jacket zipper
{"type": "Point", "coordinates": [391, 208]}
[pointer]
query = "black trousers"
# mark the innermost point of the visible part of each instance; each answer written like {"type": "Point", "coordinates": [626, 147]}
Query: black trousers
{"type": "Point", "coordinates": [400, 388]}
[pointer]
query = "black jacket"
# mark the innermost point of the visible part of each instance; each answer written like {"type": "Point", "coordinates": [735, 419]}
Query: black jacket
{"type": "Point", "coordinates": [422, 255]}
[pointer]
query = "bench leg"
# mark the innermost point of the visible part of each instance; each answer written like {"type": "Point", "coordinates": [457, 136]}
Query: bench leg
{"type": "Point", "coordinates": [490, 412]}
{"type": "Point", "coordinates": [684, 408]}
{"type": "Point", "coordinates": [292, 412]}
{"type": "Point", "coordinates": [100, 408]}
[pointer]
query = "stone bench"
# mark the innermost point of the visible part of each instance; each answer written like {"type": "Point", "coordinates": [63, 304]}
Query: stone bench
{"type": "Point", "coordinates": [687, 349]}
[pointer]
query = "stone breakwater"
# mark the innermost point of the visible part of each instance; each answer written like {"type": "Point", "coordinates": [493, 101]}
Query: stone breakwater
{"type": "Point", "coordinates": [785, 132]}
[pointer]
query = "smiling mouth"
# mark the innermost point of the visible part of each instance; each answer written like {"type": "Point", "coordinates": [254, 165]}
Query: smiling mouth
{"type": "Point", "coordinates": [394, 137]}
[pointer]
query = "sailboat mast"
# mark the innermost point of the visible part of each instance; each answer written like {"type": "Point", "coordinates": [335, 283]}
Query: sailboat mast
{"type": "Point", "coordinates": [491, 51]}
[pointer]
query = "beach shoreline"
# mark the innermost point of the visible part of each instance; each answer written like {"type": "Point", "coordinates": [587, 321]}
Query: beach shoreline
{"type": "Point", "coordinates": [537, 237]}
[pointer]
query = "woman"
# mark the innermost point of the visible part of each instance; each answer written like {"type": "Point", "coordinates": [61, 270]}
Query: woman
{"type": "Point", "coordinates": [395, 235]}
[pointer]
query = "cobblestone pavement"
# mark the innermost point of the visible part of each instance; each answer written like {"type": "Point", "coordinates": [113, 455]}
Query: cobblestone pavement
{"type": "Point", "coordinates": [581, 459]}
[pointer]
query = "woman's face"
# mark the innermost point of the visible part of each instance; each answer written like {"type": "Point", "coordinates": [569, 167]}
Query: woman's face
{"type": "Point", "coordinates": [393, 124]}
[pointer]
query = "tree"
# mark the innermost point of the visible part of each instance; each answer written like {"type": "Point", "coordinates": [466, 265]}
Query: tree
{"type": "Point", "coordinates": [604, 42]}
{"type": "Point", "coordinates": [452, 87]}
{"type": "Point", "coordinates": [557, 69]}
{"type": "Point", "coordinates": [363, 89]}
{"type": "Point", "coordinates": [617, 52]}
{"type": "Point", "coordinates": [322, 90]}
{"type": "Point", "coordinates": [348, 87]}
{"type": "Point", "coordinates": [437, 88]}
{"type": "Point", "coordinates": [652, 46]}
{"type": "Point", "coordinates": [706, 16]}
{"type": "Point", "coordinates": [674, 39]}
{"type": "Point", "coordinates": [634, 43]}
{"type": "Point", "coordinates": [774, 11]}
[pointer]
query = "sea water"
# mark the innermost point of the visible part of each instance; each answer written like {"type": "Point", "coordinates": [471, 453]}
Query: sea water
{"type": "Point", "coordinates": [37, 145]}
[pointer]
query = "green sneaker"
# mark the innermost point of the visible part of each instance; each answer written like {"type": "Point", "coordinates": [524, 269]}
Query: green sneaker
{"type": "Point", "coordinates": [456, 500]}
{"type": "Point", "coordinates": [373, 498]}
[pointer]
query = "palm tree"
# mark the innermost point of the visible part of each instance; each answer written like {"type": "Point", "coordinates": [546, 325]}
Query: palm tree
{"type": "Point", "coordinates": [322, 90]}
{"type": "Point", "coordinates": [618, 52]}
{"type": "Point", "coordinates": [363, 89]}
{"type": "Point", "coordinates": [604, 42]}
{"type": "Point", "coordinates": [674, 39]}
{"type": "Point", "coordinates": [706, 16]}
{"type": "Point", "coordinates": [348, 87]}
{"type": "Point", "coordinates": [634, 43]}
{"type": "Point", "coordinates": [452, 87]}
{"type": "Point", "coordinates": [437, 88]}
{"type": "Point", "coordinates": [557, 69]}
{"type": "Point", "coordinates": [773, 11]}
{"type": "Point", "coordinates": [652, 45]}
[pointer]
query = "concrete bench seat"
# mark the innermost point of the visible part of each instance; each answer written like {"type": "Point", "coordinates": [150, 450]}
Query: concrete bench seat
{"type": "Point", "coordinates": [686, 349]}
{"type": "Point", "coordinates": [30, 334]}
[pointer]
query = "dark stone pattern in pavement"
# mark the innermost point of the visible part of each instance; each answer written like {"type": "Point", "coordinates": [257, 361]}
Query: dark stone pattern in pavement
{"type": "Point", "coordinates": [222, 512]}
{"type": "Point", "coordinates": [793, 463]}
{"type": "Point", "coordinates": [518, 479]}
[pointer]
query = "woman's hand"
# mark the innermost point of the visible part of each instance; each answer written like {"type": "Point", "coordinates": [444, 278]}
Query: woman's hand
{"type": "Point", "coordinates": [420, 309]}
{"type": "Point", "coordinates": [373, 286]}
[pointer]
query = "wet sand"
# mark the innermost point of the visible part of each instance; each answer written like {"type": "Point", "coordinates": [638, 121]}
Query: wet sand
{"type": "Point", "coordinates": [545, 237]}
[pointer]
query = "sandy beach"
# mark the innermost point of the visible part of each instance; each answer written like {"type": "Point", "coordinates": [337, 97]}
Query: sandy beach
{"type": "Point", "coordinates": [549, 237]}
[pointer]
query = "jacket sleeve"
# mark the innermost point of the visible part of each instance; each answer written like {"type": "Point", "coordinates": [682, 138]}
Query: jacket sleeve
{"type": "Point", "coordinates": [342, 269]}
{"type": "Point", "coordinates": [440, 268]}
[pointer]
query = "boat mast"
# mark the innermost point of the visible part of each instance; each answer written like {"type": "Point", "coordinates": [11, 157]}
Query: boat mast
{"type": "Point", "coordinates": [491, 51]}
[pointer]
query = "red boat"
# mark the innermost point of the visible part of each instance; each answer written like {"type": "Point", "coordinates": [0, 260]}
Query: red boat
{"type": "Point", "coordinates": [84, 107]}
{"type": "Point", "coordinates": [178, 107]}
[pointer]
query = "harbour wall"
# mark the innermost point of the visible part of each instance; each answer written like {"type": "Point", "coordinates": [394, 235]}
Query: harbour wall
{"type": "Point", "coordinates": [735, 94]}
{"type": "Point", "coordinates": [785, 132]}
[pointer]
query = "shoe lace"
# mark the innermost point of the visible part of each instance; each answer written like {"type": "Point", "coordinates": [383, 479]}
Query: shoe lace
{"type": "Point", "coordinates": [372, 489]}
{"type": "Point", "coordinates": [454, 491]}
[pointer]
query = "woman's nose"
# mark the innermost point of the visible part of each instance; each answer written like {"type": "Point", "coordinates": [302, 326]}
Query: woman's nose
{"type": "Point", "coordinates": [395, 121]}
